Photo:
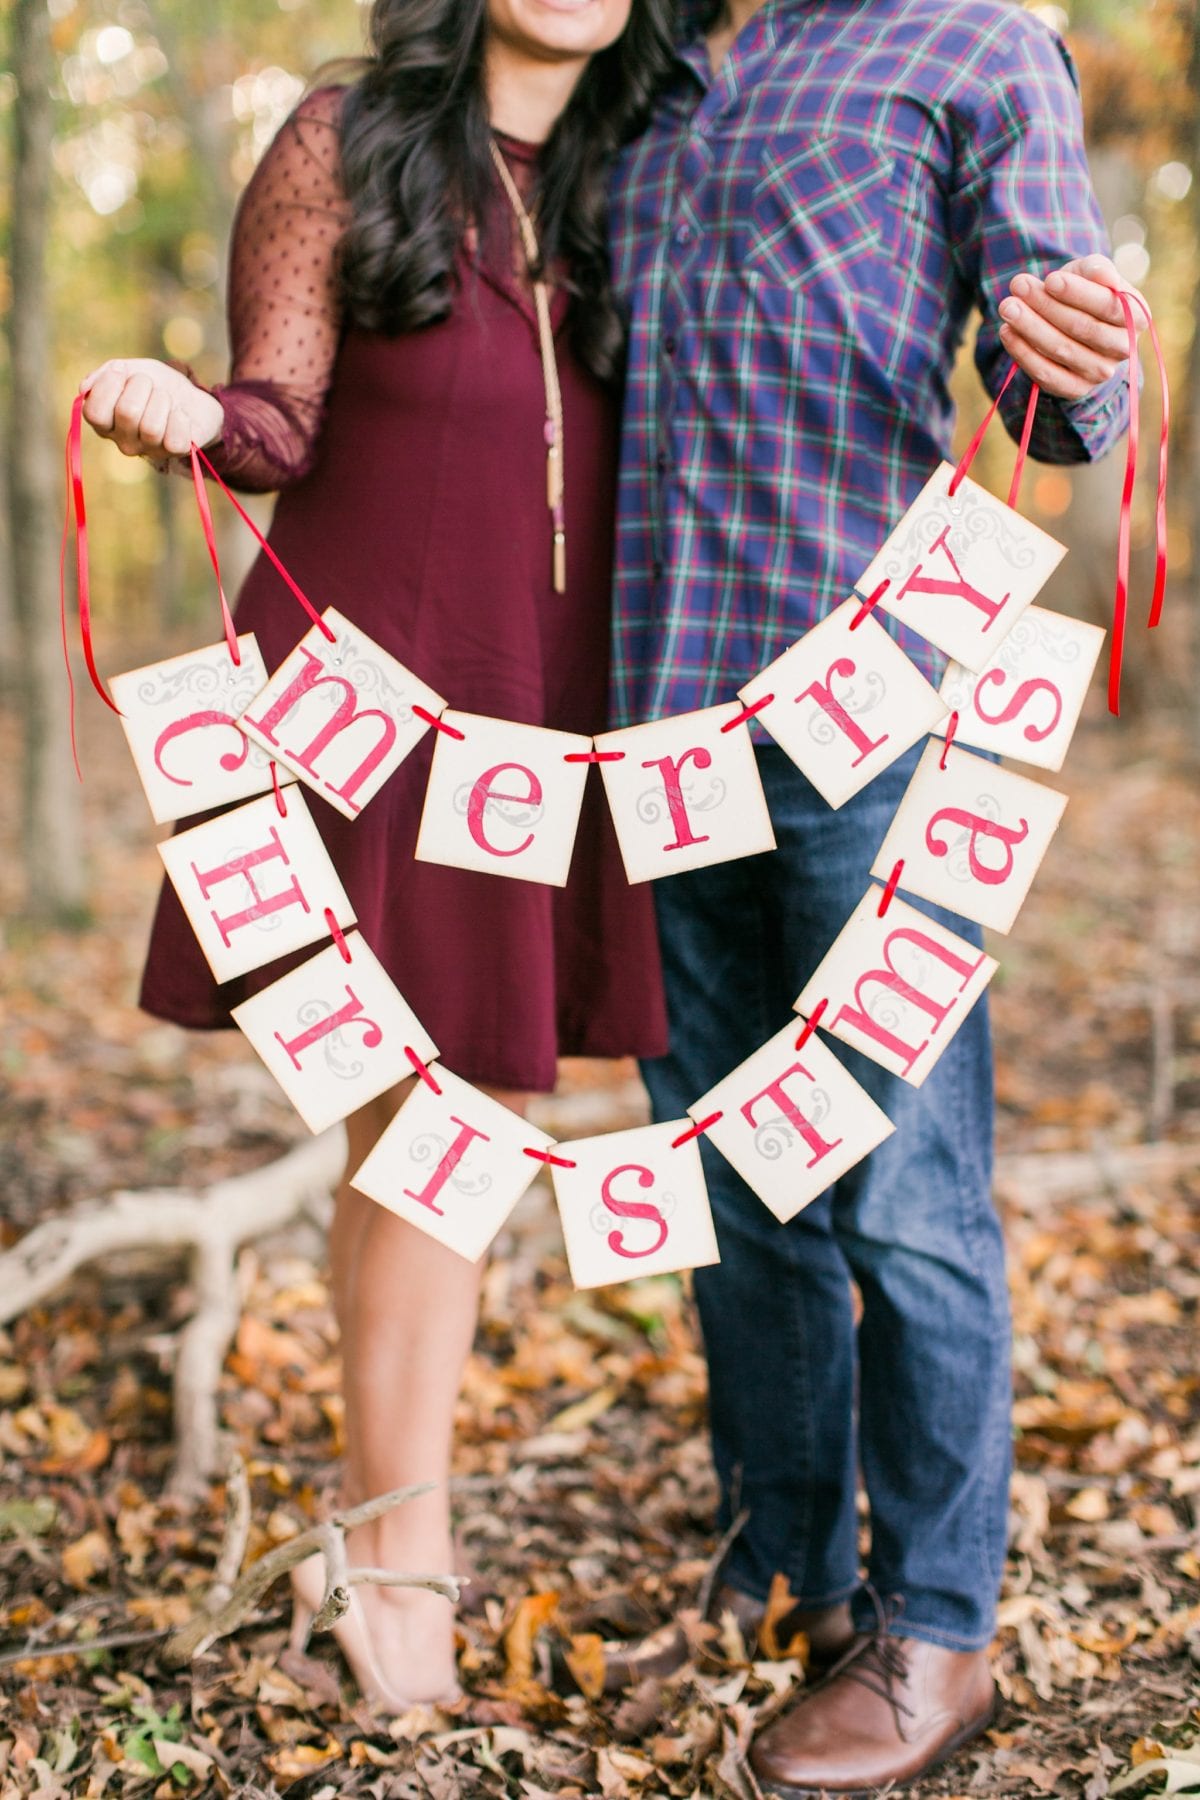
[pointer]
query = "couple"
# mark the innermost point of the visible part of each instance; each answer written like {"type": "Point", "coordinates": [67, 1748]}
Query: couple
{"type": "Point", "coordinates": [804, 200]}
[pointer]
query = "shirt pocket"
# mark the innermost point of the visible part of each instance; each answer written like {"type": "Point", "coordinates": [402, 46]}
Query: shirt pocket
{"type": "Point", "coordinates": [824, 212]}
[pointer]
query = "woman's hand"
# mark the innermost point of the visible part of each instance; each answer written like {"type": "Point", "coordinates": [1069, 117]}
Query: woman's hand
{"type": "Point", "coordinates": [148, 408]}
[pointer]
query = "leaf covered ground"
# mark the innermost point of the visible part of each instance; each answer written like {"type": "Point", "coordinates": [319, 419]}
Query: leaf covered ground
{"type": "Point", "coordinates": [584, 1491]}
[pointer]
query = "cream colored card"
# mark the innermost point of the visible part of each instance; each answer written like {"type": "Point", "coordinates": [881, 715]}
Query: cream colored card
{"type": "Point", "coordinates": [962, 568]}
{"type": "Point", "coordinates": [847, 702]}
{"type": "Point", "coordinates": [685, 793]}
{"type": "Point", "coordinates": [179, 718]}
{"type": "Point", "coordinates": [1026, 703]}
{"type": "Point", "coordinates": [504, 799]}
{"type": "Point", "coordinates": [255, 885]}
{"type": "Point", "coordinates": [972, 835]}
{"type": "Point", "coordinates": [340, 715]}
{"type": "Point", "coordinates": [792, 1121]}
{"type": "Point", "coordinates": [634, 1205]}
{"type": "Point", "coordinates": [898, 987]}
{"type": "Point", "coordinates": [333, 1033]}
{"type": "Point", "coordinates": [453, 1163]}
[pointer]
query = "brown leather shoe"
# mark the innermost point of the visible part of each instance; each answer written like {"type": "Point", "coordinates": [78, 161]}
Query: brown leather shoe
{"type": "Point", "coordinates": [894, 1709]}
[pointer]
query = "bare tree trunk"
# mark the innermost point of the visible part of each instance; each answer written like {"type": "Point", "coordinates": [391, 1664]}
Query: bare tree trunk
{"type": "Point", "coordinates": [52, 848]}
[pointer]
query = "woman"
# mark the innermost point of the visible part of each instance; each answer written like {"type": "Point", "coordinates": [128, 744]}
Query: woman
{"type": "Point", "coordinates": [394, 368]}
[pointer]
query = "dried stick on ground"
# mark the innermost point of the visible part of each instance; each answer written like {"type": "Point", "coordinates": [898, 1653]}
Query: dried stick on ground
{"type": "Point", "coordinates": [223, 1610]}
{"type": "Point", "coordinates": [214, 1223]}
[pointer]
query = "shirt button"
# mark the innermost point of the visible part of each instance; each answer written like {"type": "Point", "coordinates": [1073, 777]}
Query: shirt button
{"type": "Point", "coordinates": [669, 344]}
{"type": "Point", "coordinates": [657, 570]}
{"type": "Point", "coordinates": [661, 462]}
{"type": "Point", "coordinates": [683, 234]}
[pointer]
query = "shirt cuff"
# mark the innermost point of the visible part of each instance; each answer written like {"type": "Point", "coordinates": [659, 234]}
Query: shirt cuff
{"type": "Point", "coordinates": [1070, 431]}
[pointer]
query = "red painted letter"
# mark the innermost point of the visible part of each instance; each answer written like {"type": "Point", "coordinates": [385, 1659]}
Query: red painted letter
{"type": "Point", "coordinates": [958, 588]}
{"type": "Point", "coordinates": [263, 904]}
{"type": "Point", "coordinates": [777, 1094]}
{"type": "Point", "coordinates": [483, 791]}
{"type": "Point", "coordinates": [350, 1014]}
{"type": "Point", "coordinates": [1024, 693]}
{"type": "Point", "coordinates": [313, 675]}
{"type": "Point", "coordinates": [861, 1020]}
{"type": "Point", "coordinates": [822, 693]}
{"type": "Point", "coordinates": [632, 1209]}
{"type": "Point", "coordinates": [447, 1166]}
{"type": "Point", "coordinates": [232, 759]}
{"type": "Point", "coordinates": [979, 828]}
{"type": "Point", "coordinates": [671, 768]}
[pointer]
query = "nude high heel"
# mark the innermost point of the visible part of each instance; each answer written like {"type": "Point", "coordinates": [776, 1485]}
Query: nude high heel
{"type": "Point", "coordinates": [353, 1640]}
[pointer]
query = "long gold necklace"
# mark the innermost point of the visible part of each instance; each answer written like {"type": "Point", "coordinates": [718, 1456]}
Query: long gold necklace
{"type": "Point", "coordinates": [554, 405]}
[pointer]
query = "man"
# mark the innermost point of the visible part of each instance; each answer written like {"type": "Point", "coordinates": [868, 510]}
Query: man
{"type": "Point", "coordinates": [826, 191]}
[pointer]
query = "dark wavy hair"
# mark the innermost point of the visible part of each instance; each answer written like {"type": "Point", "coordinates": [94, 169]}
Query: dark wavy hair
{"type": "Point", "coordinates": [417, 166]}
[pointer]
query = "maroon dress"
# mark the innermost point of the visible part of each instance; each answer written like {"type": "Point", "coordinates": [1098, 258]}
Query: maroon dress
{"type": "Point", "coordinates": [412, 472]}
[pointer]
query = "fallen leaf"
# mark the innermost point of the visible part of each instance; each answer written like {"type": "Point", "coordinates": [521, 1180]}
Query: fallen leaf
{"type": "Point", "coordinates": [85, 1558]}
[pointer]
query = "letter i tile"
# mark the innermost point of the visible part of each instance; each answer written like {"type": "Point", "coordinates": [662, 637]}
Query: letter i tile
{"type": "Point", "coordinates": [334, 1033]}
{"type": "Point", "coordinates": [685, 792]}
{"type": "Point", "coordinates": [452, 1163]}
{"type": "Point", "coordinates": [633, 1205]}
{"type": "Point", "coordinates": [255, 884]}
{"type": "Point", "coordinates": [971, 835]}
{"type": "Point", "coordinates": [897, 987]}
{"type": "Point", "coordinates": [792, 1121]}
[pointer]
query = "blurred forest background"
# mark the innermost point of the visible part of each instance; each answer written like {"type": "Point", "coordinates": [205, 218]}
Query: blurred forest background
{"type": "Point", "coordinates": [127, 128]}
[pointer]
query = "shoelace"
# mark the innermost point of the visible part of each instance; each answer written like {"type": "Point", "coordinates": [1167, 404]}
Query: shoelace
{"type": "Point", "coordinates": [880, 1663]}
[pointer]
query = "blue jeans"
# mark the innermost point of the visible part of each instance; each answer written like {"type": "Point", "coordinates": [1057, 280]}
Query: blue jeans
{"type": "Point", "coordinates": [920, 1394]}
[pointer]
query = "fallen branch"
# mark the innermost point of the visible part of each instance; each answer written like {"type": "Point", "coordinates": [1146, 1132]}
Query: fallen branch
{"type": "Point", "coordinates": [218, 1618]}
{"type": "Point", "coordinates": [1037, 1177]}
{"type": "Point", "coordinates": [214, 1223]}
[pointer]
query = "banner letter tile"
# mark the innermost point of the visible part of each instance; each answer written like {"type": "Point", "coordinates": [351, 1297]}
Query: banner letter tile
{"type": "Point", "coordinates": [333, 1033]}
{"type": "Point", "coordinates": [792, 1121]}
{"type": "Point", "coordinates": [634, 1205]}
{"type": "Point", "coordinates": [962, 568]}
{"type": "Point", "coordinates": [452, 1164]}
{"type": "Point", "coordinates": [340, 715]}
{"type": "Point", "coordinates": [972, 836]}
{"type": "Point", "coordinates": [847, 703]}
{"type": "Point", "coordinates": [896, 988]}
{"type": "Point", "coordinates": [1026, 703]}
{"type": "Point", "coordinates": [254, 885]}
{"type": "Point", "coordinates": [503, 800]}
{"type": "Point", "coordinates": [685, 793]}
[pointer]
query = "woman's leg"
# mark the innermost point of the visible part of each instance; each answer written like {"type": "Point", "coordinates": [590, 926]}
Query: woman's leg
{"type": "Point", "coordinates": [407, 1309]}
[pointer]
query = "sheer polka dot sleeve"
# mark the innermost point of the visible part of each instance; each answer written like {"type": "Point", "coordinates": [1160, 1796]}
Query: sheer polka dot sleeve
{"type": "Point", "coordinates": [285, 315]}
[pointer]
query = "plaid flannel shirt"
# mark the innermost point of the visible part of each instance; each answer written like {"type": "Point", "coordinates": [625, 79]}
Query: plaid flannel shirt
{"type": "Point", "coordinates": [801, 240]}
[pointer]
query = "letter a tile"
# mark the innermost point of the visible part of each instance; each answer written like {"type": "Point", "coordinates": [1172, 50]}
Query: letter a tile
{"type": "Point", "coordinates": [503, 799]}
{"type": "Point", "coordinates": [972, 836]}
{"type": "Point", "coordinates": [962, 568]}
{"type": "Point", "coordinates": [340, 715]}
{"type": "Point", "coordinates": [685, 793]}
{"type": "Point", "coordinates": [179, 717]}
{"type": "Point", "coordinates": [847, 702]}
{"type": "Point", "coordinates": [792, 1121]}
{"type": "Point", "coordinates": [633, 1205]}
{"type": "Point", "coordinates": [333, 1033]}
{"type": "Point", "coordinates": [453, 1163]}
{"type": "Point", "coordinates": [255, 885]}
{"type": "Point", "coordinates": [1026, 703]}
{"type": "Point", "coordinates": [896, 988]}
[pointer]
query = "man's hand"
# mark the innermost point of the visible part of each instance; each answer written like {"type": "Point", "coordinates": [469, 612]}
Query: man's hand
{"type": "Point", "coordinates": [149, 409]}
{"type": "Point", "coordinates": [1068, 332]}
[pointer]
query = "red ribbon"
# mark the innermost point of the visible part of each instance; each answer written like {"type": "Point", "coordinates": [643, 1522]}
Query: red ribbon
{"type": "Point", "coordinates": [1023, 447]}
{"type": "Point", "coordinates": [1124, 530]}
{"type": "Point", "coordinates": [77, 511]}
{"type": "Point", "coordinates": [266, 549]}
{"type": "Point", "coordinates": [972, 449]}
{"type": "Point", "coordinates": [210, 538]}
